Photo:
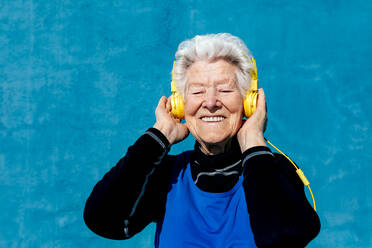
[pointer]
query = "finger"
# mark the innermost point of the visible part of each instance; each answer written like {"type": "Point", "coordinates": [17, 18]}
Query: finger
{"type": "Point", "coordinates": [162, 102]}
{"type": "Point", "coordinates": [160, 109]}
{"type": "Point", "coordinates": [168, 105]}
{"type": "Point", "coordinates": [261, 98]}
{"type": "Point", "coordinates": [261, 105]}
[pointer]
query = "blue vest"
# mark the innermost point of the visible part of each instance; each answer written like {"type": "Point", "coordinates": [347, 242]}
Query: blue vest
{"type": "Point", "coordinates": [195, 218]}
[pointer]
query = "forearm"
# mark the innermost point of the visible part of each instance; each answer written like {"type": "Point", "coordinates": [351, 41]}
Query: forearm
{"type": "Point", "coordinates": [115, 200]}
{"type": "Point", "coordinates": [279, 211]}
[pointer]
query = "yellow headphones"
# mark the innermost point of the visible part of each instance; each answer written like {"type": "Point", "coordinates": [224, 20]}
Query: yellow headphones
{"type": "Point", "coordinates": [176, 99]}
{"type": "Point", "coordinates": [250, 103]}
{"type": "Point", "coordinates": [250, 99]}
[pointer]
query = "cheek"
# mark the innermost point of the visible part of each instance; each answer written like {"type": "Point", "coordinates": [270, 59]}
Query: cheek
{"type": "Point", "coordinates": [235, 106]}
{"type": "Point", "coordinates": [236, 121]}
{"type": "Point", "coordinates": [236, 109]}
{"type": "Point", "coordinates": [191, 106]}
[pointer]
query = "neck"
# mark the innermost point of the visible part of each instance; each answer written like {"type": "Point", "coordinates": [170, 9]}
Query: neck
{"type": "Point", "coordinates": [214, 149]}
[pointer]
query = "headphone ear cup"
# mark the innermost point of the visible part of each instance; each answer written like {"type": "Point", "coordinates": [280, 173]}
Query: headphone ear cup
{"type": "Point", "coordinates": [177, 106]}
{"type": "Point", "coordinates": [250, 103]}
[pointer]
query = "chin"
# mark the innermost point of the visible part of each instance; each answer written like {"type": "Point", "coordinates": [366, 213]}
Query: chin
{"type": "Point", "coordinates": [215, 139]}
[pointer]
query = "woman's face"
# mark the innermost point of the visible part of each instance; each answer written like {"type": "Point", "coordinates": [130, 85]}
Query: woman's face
{"type": "Point", "coordinates": [213, 103]}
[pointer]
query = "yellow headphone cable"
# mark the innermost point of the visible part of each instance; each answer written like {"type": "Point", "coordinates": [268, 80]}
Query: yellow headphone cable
{"type": "Point", "coordinates": [299, 173]}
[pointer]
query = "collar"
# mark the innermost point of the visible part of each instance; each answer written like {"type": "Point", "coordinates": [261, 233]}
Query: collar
{"type": "Point", "coordinates": [219, 161]}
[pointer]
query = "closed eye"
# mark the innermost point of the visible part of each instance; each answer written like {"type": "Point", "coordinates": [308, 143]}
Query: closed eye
{"type": "Point", "coordinates": [226, 91]}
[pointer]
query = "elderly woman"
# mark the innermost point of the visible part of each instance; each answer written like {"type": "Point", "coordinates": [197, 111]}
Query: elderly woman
{"type": "Point", "coordinates": [230, 190]}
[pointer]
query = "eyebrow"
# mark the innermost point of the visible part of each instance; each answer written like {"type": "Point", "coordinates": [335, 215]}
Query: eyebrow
{"type": "Point", "coordinates": [222, 81]}
{"type": "Point", "coordinates": [194, 84]}
{"type": "Point", "coordinates": [225, 81]}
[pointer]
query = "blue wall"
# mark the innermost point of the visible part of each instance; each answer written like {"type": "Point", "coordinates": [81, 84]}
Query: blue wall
{"type": "Point", "coordinates": [79, 82]}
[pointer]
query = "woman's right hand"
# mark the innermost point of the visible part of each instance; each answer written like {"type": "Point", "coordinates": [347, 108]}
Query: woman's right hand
{"type": "Point", "coordinates": [170, 126]}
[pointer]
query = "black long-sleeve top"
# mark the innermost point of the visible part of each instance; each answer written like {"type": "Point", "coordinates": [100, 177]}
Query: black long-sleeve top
{"type": "Point", "coordinates": [134, 192]}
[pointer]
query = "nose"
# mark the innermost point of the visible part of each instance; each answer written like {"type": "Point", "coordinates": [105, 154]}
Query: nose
{"type": "Point", "coordinates": [211, 100]}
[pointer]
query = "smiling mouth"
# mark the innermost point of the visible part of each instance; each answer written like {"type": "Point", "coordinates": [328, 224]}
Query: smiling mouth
{"type": "Point", "coordinates": [213, 118]}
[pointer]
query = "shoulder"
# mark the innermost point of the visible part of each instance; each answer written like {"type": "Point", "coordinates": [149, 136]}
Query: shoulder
{"type": "Point", "coordinates": [285, 163]}
{"type": "Point", "coordinates": [172, 165]}
{"type": "Point", "coordinates": [287, 169]}
{"type": "Point", "coordinates": [179, 161]}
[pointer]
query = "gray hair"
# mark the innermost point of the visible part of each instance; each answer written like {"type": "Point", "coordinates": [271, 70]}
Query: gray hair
{"type": "Point", "coordinates": [210, 47]}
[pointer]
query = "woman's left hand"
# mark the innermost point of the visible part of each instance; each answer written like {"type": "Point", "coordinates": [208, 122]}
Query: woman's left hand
{"type": "Point", "coordinates": [251, 132]}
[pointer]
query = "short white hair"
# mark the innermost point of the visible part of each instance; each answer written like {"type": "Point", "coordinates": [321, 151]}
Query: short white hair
{"type": "Point", "coordinates": [211, 47]}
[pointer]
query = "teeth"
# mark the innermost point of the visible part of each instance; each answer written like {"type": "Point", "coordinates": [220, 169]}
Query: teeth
{"type": "Point", "coordinates": [214, 118]}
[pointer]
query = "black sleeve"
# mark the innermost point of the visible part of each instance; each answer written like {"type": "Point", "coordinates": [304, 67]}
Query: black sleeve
{"type": "Point", "coordinates": [133, 193]}
{"type": "Point", "coordinates": [280, 214]}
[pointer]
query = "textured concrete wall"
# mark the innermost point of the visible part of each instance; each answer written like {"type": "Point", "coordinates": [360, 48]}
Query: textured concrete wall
{"type": "Point", "coordinates": [79, 82]}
